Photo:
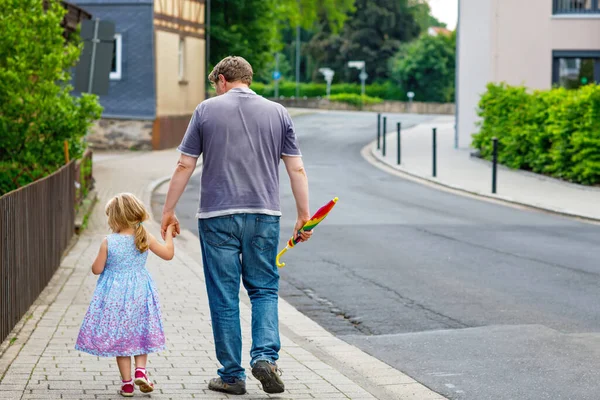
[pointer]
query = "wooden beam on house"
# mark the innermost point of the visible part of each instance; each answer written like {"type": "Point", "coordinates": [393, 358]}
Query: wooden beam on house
{"type": "Point", "coordinates": [72, 18]}
{"type": "Point", "coordinates": [184, 17]}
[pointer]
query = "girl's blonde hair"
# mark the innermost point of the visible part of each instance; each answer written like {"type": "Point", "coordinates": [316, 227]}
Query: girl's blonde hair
{"type": "Point", "coordinates": [127, 211]}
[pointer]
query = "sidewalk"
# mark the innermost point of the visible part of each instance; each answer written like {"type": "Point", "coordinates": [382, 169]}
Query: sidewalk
{"type": "Point", "coordinates": [41, 362]}
{"type": "Point", "coordinates": [458, 170]}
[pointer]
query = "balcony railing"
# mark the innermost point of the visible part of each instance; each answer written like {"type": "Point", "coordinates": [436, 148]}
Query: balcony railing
{"type": "Point", "coordinates": [576, 7]}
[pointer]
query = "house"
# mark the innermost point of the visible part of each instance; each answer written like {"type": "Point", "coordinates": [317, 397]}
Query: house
{"type": "Point", "coordinates": [72, 18]}
{"type": "Point", "coordinates": [536, 43]}
{"type": "Point", "coordinates": [436, 31]}
{"type": "Point", "coordinates": [158, 72]}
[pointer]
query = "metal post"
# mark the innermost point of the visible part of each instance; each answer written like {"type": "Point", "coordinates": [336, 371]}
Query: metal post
{"type": "Point", "coordinates": [277, 80]}
{"type": "Point", "coordinates": [378, 131]}
{"type": "Point", "coordinates": [362, 83]}
{"type": "Point", "coordinates": [298, 61]}
{"type": "Point", "coordinates": [95, 41]}
{"type": "Point", "coordinates": [207, 44]}
{"type": "Point", "coordinates": [398, 129]}
{"type": "Point", "coordinates": [384, 133]}
{"type": "Point", "coordinates": [494, 164]}
{"type": "Point", "coordinates": [434, 155]}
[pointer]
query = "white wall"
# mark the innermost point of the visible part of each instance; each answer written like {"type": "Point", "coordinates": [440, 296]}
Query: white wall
{"type": "Point", "coordinates": [474, 62]}
{"type": "Point", "coordinates": [512, 41]}
{"type": "Point", "coordinates": [527, 33]}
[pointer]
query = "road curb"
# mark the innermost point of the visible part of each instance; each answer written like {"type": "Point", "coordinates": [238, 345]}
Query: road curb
{"type": "Point", "coordinates": [378, 378]}
{"type": "Point", "coordinates": [370, 154]}
{"type": "Point", "coordinates": [533, 175]}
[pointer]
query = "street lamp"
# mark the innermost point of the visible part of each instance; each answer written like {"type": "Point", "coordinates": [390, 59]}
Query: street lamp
{"type": "Point", "coordinates": [328, 73]}
{"type": "Point", "coordinates": [363, 74]}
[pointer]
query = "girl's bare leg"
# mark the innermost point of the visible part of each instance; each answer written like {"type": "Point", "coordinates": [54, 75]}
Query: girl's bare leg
{"type": "Point", "coordinates": [141, 360]}
{"type": "Point", "coordinates": [124, 364]}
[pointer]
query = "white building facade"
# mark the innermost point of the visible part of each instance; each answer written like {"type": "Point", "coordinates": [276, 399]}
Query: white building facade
{"type": "Point", "coordinates": [535, 43]}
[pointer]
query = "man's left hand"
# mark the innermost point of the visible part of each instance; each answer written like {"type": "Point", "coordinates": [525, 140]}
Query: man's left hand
{"type": "Point", "coordinates": [169, 218]}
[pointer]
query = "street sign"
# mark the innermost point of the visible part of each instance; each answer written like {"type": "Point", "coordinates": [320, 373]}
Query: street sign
{"type": "Point", "coordinates": [356, 64]}
{"type": "Point", "coordinates": [276, 75]}
{"type": "Point", "coordinates": [363, 75]}
{"type": "Point", "coordinates": [93, 70]}
{"type": "Point", "coordinates": [328, 74]}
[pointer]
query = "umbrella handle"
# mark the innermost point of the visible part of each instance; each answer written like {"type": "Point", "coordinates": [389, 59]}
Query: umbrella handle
{"type": "Point", "coordinates": [282, 252]}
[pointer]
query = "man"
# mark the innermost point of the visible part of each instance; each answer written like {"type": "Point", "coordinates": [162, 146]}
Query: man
{"type": "Point", "coordinates": [242, 138]}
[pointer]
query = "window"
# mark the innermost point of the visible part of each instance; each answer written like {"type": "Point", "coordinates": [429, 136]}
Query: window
{"type": "Point", "coordinates": [576, 7]}
{"type": "Point", "coordinates": [117, 59]}
{"type": "Point", "coordinates": [573, 69]}
{"type": "Point", "coordinates": [181, 59]}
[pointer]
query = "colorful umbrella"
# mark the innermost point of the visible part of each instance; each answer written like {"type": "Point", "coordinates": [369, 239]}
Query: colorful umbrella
{"type": "Point", "coordinates": [309, 226]}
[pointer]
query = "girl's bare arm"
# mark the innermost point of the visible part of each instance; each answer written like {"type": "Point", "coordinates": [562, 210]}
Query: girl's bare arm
{"type": "Point", "coordinates": [165, 251]}
{"type": "Point", "coordinates": [100, 262]}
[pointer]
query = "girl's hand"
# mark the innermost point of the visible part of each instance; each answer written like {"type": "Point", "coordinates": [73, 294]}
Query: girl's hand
{"type": "Point", "coordinates": [165, 251]}
{"type": "Point", "coordinates": [171, 231]}
{"type": "Point", "coordinates": [169, 219]}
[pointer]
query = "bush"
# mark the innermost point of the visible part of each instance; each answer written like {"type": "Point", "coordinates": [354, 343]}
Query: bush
{"type": "Point", "coordinates": [387, 90]}
{"type": "Point", "coordinates": [37, 111]}
{"type": "Point", "coordinates": [554, 132]}
{"type": "Point", "coordinates": [427, 67]}
{"type": "Point", "coordinates": [355, 99]}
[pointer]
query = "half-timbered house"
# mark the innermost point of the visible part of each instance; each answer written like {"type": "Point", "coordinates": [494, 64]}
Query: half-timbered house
{"type": "Point", "coordinates": [158, 73]}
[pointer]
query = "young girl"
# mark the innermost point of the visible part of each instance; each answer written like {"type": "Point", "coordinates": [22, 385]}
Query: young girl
{"type": "Point", "coordinates": [124, 318]}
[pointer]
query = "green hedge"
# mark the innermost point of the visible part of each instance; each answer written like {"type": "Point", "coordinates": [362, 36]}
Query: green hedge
{"type": "Point", "coordinates": [387, 90]}
{"type": "Point", "coordinates": [355, 99]}
{"type": "Point", "coordinates": [554, 132]}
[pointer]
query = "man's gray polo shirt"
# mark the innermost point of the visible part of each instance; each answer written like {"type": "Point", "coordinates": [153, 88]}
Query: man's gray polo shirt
{"type": "Point", "coordinates": [241, 137]}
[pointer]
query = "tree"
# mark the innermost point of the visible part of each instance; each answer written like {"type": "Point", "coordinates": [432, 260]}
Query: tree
{"type": "Point", "coordinates": [246, 28]}
{"type": "Point", "coordinates": [37, 111]}
{"type": "Point", "coordinates": [373, 33]}
{"type": "Point", "coordinates": [252, 28]}
{"type": "Point", "coordinates": [422, 12]}
{"type": "Point", "coordinates": [427, 67]}
{"type": "Point", "coordinates": [285, 68]}
{"type": "Point", "coordinates": [308, 12]}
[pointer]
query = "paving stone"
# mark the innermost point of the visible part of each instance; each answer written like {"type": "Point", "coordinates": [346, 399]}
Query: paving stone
{"type": "Point", "coordinates": [49, 367]}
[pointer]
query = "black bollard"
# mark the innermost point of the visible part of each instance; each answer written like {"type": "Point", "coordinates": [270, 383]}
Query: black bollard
{"type": "Point", "coordinates": [398, 129]}
{"type": "Point", "coordinates": [384, 133]}
{"type": "Point", "coordinates": [494, 164]}
{"type": "Point", "coordinates": [378, 131]}
{"type": "Point", "coordinates": [434, 155]}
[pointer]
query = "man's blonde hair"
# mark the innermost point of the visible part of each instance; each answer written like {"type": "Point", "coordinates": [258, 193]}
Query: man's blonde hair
{"type": "Point", "coordinates": [127, 211]}
{"type": "Point", "coordinates": [234, 69]}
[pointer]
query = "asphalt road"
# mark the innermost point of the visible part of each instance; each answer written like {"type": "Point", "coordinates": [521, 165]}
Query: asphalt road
{"type": "Point", "coordinates": [475, 300]}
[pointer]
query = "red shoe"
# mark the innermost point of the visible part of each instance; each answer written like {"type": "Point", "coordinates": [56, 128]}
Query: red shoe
{"type": "Point", "coordinates": [141, 379]}
{"type": "Point", "coordinates": [127, 389]}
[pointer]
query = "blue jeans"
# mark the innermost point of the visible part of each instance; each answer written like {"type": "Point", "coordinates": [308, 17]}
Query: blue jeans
{"type": "Point", "coordinates": [234, 246]}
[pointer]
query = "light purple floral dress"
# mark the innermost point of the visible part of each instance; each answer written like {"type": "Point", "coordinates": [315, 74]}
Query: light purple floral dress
{"type": "Point", "coordinates": [124, 316]}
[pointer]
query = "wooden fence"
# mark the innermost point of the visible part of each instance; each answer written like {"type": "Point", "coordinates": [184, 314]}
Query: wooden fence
{"type": "Point", "coordinates": [36, 226]}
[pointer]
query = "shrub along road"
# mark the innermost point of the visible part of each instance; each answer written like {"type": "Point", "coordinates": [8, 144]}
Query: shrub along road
{"type": "Point", "coordinates": [475, 300]}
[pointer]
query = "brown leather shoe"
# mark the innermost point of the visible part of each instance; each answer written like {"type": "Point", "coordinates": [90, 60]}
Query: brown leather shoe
{"type": "Point", "coordinates": [217, 384]}
{"type": "Point", "coordinates": [269, 375]}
